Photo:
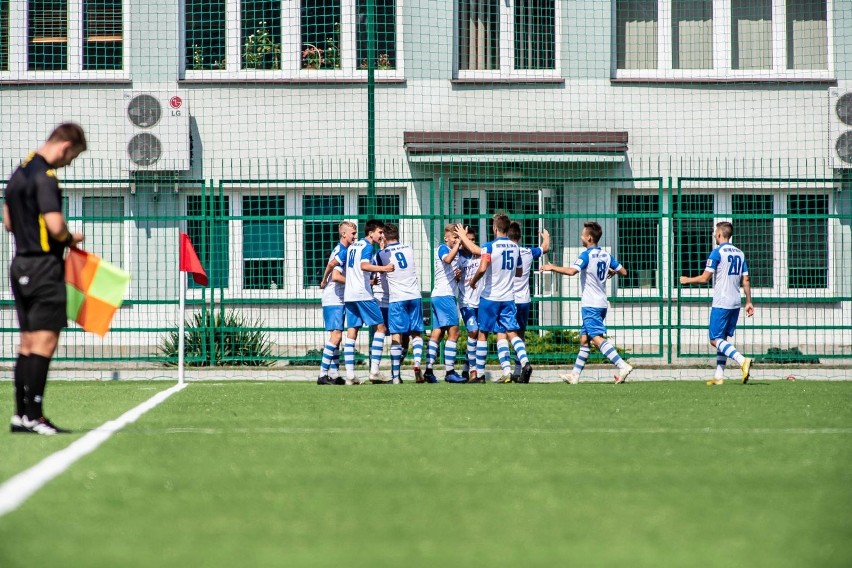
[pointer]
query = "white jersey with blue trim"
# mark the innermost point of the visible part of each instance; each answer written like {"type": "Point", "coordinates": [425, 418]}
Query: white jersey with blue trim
{"type": "Point", "coordinates": [469, 296]}
{"type": "Point", "coordinates": [522, 273]}
{"type": "Point", "coordinates": [445, 274]}
{"type": "Point", "coordinates": [358, 288]}
{"type": "Point", "coordinates": [403, 283]}
{"type": "Point", "coordinates": [728, 265]}
{"type": "Point", "coordinates": [594, 264]}
{"type": "Point", "coordinates": [332, 294]}
{"type": "Point", "coordinates": [499, 280]}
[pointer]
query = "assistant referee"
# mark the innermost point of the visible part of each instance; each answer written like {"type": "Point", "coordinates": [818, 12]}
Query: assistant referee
{"type": "Point", "coordinates": [32, 211]}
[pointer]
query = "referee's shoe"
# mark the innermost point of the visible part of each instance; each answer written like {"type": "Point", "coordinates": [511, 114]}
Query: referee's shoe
{"type": "Point", "coordinates": [43, 426]}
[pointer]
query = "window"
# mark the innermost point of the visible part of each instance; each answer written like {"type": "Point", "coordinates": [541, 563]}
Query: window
{"type": "Point", "coordinates": [319, 236]}
{"type": "Point", "coordinates": [263, 241]}
{"type": "Point", "coordinates": [748, 39]}
{"type": "Point", "coordinates": [307, 39]}
{"type": "Point", "coordinates": [638, 240]}
{"type": "Point", "coordinates": [209, 237]}
{"type": "Point", "coordinates": [807, 241]}
{"type": "Point", "coordinates": [507, 39]}
{"type": "Point", "coordinates": [103, 226]}
{"type": "Point", "coordinates": [693, 233]}
{"type": "Point", "coordinates": [755, 236]}
{"type": "Point", "coordinates": [387, 208]}
{"type": "Point", "coordinates": [63, 39]}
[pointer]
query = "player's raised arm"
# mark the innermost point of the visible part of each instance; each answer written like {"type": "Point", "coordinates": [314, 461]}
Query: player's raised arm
{"type": "Point", "coordinates": [545, 241]}
{"type": "Point", "coordinates": [461, 233]}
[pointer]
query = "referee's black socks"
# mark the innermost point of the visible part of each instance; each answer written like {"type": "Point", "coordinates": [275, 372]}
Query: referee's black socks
{"type": "Point", "coordinates": [22, 371]}
{"type": "Point", "coordinates": [36, 380]}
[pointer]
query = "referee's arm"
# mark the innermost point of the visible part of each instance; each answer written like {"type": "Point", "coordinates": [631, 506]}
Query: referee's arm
{"type": "Point", "coordinates": [7, 219]}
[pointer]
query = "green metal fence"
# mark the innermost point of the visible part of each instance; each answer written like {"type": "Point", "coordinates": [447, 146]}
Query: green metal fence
{"type": "Point", "coordinates": [265, 242]}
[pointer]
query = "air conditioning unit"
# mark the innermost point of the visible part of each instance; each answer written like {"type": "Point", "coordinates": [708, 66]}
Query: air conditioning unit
{"type": "Point", "coordinates": [157, 129]}
{"type": "Point", "coordinates": [840, 127]}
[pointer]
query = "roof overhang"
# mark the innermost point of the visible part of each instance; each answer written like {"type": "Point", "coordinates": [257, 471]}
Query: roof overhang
{"type": "Point", "coordinates": [461, 147]}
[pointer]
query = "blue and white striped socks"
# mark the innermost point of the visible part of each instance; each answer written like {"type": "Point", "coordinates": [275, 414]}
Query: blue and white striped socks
{"type": "Point", "coordinates": [503, 356]}
{"type": "Point", "coordinates": [334, 368]}
{"type": "Point", "coordinates": [721, 361]}
{"type": "Point", "coordinates": [582, 357]}
{"type": "Point", "coordinates": [396, 359]}
{"type": "Point", "coordinates": [432, 354]}
{"type": "Point", "coordinates": [481, 356]}
{"type": "Point", "coordinates": [376, 349]}
{"type": "Point", "coordinates": [470, 358]}
{"type": "Point", "coordinates": [520, 351]}
{"type": "Point", "coordinates": [450, 355]}
{"type": "Point", "coordinates": [327, 358]}
{"type": "Point", "coordinates": [417, 350]}
{"type": "Point", "coordinates": [612, 354]}
{"type": "Point", "coordinates": [730, 351]}
{"type": "Point", "coordinates": [349, 357]}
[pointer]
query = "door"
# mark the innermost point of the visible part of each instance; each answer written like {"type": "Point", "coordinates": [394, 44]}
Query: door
{"type": "Point", "coordinates": [534, 208]}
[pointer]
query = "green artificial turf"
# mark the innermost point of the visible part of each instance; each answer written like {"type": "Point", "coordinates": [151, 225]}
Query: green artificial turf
{"type": "Point", "coordinates": [283, 474]}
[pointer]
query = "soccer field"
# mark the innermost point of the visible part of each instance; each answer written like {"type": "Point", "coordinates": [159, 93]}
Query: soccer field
{"type": "Point", "coordinates": [284, 474]}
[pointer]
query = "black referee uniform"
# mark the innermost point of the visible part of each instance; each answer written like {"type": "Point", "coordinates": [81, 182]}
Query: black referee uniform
{"type": "Point", "coordinates": [37, 273]}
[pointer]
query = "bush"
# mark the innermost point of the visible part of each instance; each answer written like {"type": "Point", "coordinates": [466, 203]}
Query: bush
{"type": "Point", "coordinates": [236, 340]}
{"type": "Point", "coordinates": [776, 355]}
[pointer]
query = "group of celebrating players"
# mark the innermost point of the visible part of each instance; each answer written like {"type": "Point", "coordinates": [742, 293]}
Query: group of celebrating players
{"type": "Point", "coordinates": [486, 286]}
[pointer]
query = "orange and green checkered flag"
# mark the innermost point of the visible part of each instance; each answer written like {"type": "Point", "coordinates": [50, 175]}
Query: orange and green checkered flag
{"type": "Point", "coordinates": [95, 288]}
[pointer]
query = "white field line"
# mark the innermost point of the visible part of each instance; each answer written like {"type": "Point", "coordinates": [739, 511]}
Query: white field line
{"type": "Point", "coordinates": [19, 488]}
{"type": "Point", "coordinates": [556, 431]}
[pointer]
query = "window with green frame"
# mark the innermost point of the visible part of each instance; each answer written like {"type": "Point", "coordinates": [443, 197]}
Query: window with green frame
{"type": "Point", "coordinates": [100, 31]}
{"type": "Point", "coordinates": [385, 30]}
{"type": "Point", "coordinates": [263, 241]}
{"type": "Point", "coordinates": [693, 236]}
{"type": "Point", "coordinates": [638, 240]}
{"type": "Point", "coordinates": [260, 45]}
{"type": "Point", "coordinates": [807, 241]}
{"type": "Point", "coordinates": [208, 232]}
{"type": "Point", "coordinates": [103, 226]}
{"type": "Point", "coordinates": [319, 236]}
{"type": "Point", "coordinates": [103, 40]}
{"type": "Point", "coordinates": [47, 35]}
{"type": "Point", "coordinates": [755, 236]}
{"type": "Point", "coordinates": [387, 208]}
{"type": "Point", "coordinates": [204, 26]}
{"type": "Point", "coordinates": [4, 35]}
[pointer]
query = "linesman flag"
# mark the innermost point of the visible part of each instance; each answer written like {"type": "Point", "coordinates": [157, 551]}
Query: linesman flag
{"type": "Point", "coordinates": [189, 261]}
{"type": "Point", "coordinates": [95, 290]}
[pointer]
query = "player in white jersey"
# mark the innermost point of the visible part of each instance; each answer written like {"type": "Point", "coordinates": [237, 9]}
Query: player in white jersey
{"type": "Point", "coordinates": [469, 307]}
{"type": "Point", "coordinates": [497, 312]}
{"type": "Point", "coordinates": [445, 311]}
{"type": "Point", "coordinates": [405, 307]}
{"type": "Point", "coordinates": [523, 298]}
{"type": "Point", "coordinates": [595, 267]}
{"type": "Point", "coordinates": [360, 304]}
{"type": "Point", "coordinates": [332, 285]}
{"type": "Point", "coordinates": [727, 266]}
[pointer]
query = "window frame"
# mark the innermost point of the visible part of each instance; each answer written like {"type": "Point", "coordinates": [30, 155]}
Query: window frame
{"type": "Point", "coordinates": [506, 70]}
{"type": "Point", "coordinates": [291, 38]}
{"type": "Point", "coordinates": [18, 40]}
{"type": "Point", "coordinates": [722, 49]}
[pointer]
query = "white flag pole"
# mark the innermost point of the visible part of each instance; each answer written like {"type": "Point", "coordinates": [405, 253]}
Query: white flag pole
{"type": "Point", "coordinates": [181, 326]}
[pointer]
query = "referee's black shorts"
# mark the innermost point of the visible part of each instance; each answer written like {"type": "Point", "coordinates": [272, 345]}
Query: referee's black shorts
{"type": "Point", "coordinates": [38, 284]}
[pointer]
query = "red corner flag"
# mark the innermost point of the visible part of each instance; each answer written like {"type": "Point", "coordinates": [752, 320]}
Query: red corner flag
{"type": "Point", "coordinates": [189, 261]}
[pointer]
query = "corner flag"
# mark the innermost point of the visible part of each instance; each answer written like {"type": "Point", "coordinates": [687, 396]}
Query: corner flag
{"type": "Point", "coordinates": [189, 261]}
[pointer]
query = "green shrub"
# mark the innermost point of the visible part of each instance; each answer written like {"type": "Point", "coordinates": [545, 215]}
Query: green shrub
{"type": "Point", "coordinates": [236, 340]}
{"type": "Point", "coordinates": [779, 356]}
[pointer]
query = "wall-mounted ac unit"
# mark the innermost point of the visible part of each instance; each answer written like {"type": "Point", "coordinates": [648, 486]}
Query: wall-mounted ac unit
{"type": "Point", "coordinates": [157, 128]}
{"type": "Point", "coordinates": [840, 127]}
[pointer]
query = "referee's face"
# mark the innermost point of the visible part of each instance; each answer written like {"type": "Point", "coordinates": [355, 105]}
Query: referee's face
{"type": "Point", "coordinates": [69, 153]}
